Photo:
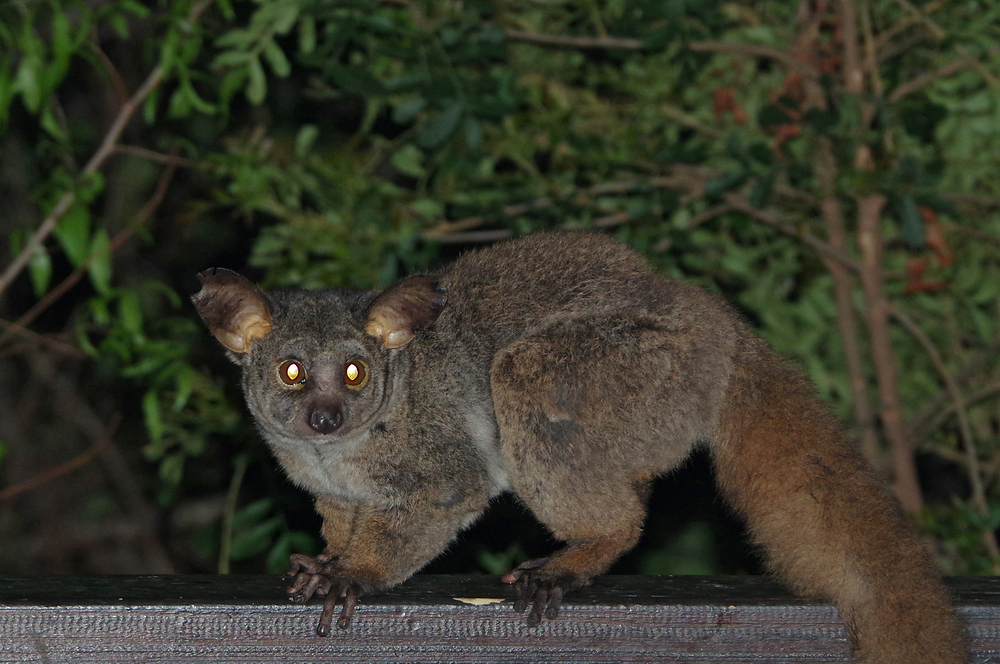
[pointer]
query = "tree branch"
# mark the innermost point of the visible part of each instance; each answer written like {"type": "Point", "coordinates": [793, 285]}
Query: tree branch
{"type": "Point", "coordinates": [965, 430]}
{"type": "Point", "coordinates": [64, 468]}
{"type": "Point", "coordinates": [877, 309]}
{"type": "Point", "coordinates": [923, 80]}
{"type": "Point", "coordinates": [602, 43]}
{"type": "Point", "coordinates": [74, 277]}
{"type": "Point", "coordinates": [94, 164]}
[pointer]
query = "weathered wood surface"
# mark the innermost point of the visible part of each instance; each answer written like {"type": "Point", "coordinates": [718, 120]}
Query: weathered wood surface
{"type": "Point", "coordinates": [221, 619]}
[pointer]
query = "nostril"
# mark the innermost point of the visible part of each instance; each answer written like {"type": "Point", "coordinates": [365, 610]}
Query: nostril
{"type": "Point", "coordinates": [325, 420]}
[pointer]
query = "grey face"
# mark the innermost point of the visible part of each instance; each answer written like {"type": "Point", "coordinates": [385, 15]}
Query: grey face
{"type": "Point", "coordinates": [317, 376]}
{"type": "Point", "coordinates": [316, 364]}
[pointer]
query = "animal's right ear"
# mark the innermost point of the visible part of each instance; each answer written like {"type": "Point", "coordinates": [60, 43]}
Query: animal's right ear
{"type": "Point", "coordinates": [407, 306]}
{"type": "Point", "coordinates": [235, 310]}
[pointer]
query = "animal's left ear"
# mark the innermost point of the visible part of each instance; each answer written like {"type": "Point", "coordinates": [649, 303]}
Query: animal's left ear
{"type": "Point", "coordinates": [407, 306]}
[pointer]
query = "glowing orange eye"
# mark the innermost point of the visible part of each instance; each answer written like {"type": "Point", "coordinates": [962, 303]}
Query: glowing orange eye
{"type": "Point", "coordinates": [292, 374]}
{"type": "Point", "coordinates": [355, 374]}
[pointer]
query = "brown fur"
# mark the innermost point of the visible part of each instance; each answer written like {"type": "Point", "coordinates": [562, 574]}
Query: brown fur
{"type": "Point", "coordinates": [560, 368]}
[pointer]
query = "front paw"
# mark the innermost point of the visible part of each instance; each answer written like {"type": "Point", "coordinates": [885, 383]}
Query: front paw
{"type": "Point", "coordinates": [535, 583]}
{"type": "Point", "coordinates": [320, 576]}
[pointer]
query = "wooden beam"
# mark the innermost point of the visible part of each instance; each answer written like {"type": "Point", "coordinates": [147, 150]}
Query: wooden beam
{"type": "Point", "coordinates": [235, 618]}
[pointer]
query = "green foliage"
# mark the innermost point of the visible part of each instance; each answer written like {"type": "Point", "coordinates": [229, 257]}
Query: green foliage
{"type": "Point", "coordinates": [258, 530]}
{"type": "Point", "coordinates": [347, 142]}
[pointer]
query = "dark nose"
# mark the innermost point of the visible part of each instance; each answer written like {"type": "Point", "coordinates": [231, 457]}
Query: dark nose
{"type": "Point", "coordinates": [325, 419]}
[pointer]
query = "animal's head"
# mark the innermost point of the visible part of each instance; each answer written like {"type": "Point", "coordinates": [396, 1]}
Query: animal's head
{"type": "Point", "coordinates": [317, 365]}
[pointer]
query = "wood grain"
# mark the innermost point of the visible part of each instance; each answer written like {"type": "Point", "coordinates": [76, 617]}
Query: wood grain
{"type": "Point", "coordinates": [620, 619]}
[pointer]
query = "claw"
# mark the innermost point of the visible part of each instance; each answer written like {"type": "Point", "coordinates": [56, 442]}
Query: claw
{"type": "Point", "coordinates": [320, 577]}
{"type": "Point", "coordinates": [555, 601]}
{"type": "Point", "coordinates": [326, 617]}
{"type": "Point", "coordinates": [350, 601]}
{"type": "Point", "coordinates": [540, 599]}
{"type": "Point", "coordinates": [542, 591]}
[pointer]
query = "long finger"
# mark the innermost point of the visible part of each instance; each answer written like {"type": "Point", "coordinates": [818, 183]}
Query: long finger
{"type": "Point", "coordinates": [326, 617]}
{"type": "Point", "coordinates": [347, 613]}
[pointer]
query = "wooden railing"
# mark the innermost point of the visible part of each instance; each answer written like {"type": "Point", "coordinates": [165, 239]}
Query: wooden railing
{"type": "Point", "coordinates": [221, 619]}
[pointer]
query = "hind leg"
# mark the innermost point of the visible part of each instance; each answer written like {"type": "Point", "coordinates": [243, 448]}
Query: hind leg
{"type": "Point", "coordinates": [573, 408]}
{"type": "Point", "coordinates": [542, 583]}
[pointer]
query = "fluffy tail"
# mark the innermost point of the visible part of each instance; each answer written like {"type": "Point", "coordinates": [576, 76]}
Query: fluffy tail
{"type": "Point", "coordinates": [827, 526]}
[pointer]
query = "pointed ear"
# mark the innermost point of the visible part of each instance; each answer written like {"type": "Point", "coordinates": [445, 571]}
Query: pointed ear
{"type": "Point", "coordinates": [407, 306]}
{"type": "Point", "coordinates": [234, 310]}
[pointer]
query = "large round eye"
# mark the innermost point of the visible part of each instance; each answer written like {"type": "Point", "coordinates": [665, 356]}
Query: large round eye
{"type": "Point", "coordinates": [355, 374]}
{"type": "Point", "coordinates": [292, 374]}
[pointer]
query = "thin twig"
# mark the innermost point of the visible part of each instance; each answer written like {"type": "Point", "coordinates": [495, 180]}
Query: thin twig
{"type": "Point", "coordinates": [929, 416]}
{"type": "Point", "coordinates": [456, 231]}
{"type": "Point", "coordinates": [74, 277]}
{"type": "Point", "coordinates": [907, 22]}
{"type": "Point", "coordinates": [709, 214]}
{"type": "Point", "coordinates": [768, 217]}
{"type": "Point", "coordinates": [229, 511]}
{"type": "Point", "coordinates": [974, 233]}
{"type": "Point", "coordinates": [11, 329]}
{"type": "Point", "coordinates": [64, 468]}
{"type": "Point", "coordinates": [877, 309]}
{"type": "Point", "coordinates": [626, 44]}
{"type": "Point", "coordinates": [153, 155]}
{"type": "Point", "coordinates": [919, 82]}
{"type": "Point", "coordinates": [96, 162]}
{"type": "Point", "coordinates": [964, 428]}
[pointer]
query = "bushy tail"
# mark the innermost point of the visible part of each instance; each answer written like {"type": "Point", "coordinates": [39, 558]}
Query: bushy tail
{"type": "Point", "coordinates": [827, 526]}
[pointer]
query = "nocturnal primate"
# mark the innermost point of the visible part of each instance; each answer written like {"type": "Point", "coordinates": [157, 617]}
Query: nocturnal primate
{"type": "Point", "coordinates": [561, 368]}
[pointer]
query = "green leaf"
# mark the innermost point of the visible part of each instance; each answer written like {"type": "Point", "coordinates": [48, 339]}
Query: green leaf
{"type": "Point", "coordinates": [152, 416]}
{"type": "Point", "coordinates": [40, 268]}
{"type": "Point", "coordinates": [138, 9]}
{"type": "Point", "coordinates": [119, 25]}
{"type": "Point", "coordinates": [725, 182]}
{"type": "Point", "coordinates": [276, 59]}
{"type": "Point", "coordinates": [441, 126]}
{"type": "Point", "coordinates": [357, 80]}
{"type": "Point", "coordinates": [304, 140]}
{"type": "Point", "coordinates": [232, 58]}
{"type": "Point", "coordinates": [73, 234]}
{"type": "Point", "coordinates": [149, 107]}
{"type": "Point", "coordinates": [409, 161]}
{"type": "Point", "coordinates": [257, 86]}
{"type": "Point", "coordinates": [49, 124]}
{"type": "Point", "coordinates": [283, 21]}
{"type": "Point", "coordinates": [184, 381]}
{"type": "Point", "coordinates": [180, 104]}
{"type": "Point", "coordinates": [405, 112]}
{"type": "Point", "coordinates": [255, 541]}
{"type": "Point", "coordinates": [473, 134]}
{"type": "Point", "coordinates": [130, 314]}
{"type": "Point", "coordinates": [239, 39]}
{"type": "Point", "coordinates": [62, 50]}
{"type": "Point", "coordinates": [99, 267]}
{"type": "Point", "coordinates": [302, 542]}
{"type": "Point", "coordinates": [307, 35]}
{"type": "Point", "coordinates": [277, 557]}
{"type": "Point", "coordinates": [89, 186]}
{"type": "Point", "coordinates": [252, 513]}
{"type": "Point", "coordinates": [172, 469]}
{"type": "Point", "coordinates": [226, 7]}
{"type": "Point", "coordinates": [188, 99]}
{"type": "Point", "coordinates": [29, 82]}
